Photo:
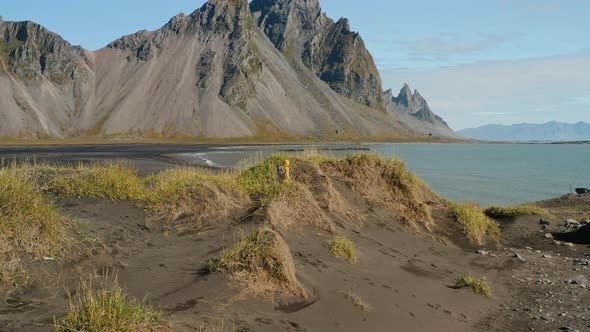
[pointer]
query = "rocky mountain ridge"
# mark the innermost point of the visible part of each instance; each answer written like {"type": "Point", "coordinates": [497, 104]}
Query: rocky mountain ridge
{"type": "Point", "coordinates": [336, 54]}
{"type": "Point", "coordinates": [413, 110]}
{"type": "Point", "coordinates": [269, 68]}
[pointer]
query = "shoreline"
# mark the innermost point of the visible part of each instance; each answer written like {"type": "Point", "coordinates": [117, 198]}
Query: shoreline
{"type": "Point", "coordinates": [446, 167]}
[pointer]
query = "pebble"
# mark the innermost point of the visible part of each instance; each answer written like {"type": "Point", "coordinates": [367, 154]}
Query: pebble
{"type": "Point", "coordinates": [549, 235]}
{"type": "Point", "coordinates": [561, 243]}
{"type": "Point", "coordinates": [569, 223]}
{"type": "Point", "coordinates": [579, 280]}
{"type": "Point", "coordinates": [568, 329]}
{"type": "Point", "coordinates": [520, 257]}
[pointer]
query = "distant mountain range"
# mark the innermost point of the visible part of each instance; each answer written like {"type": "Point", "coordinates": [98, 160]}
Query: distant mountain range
{"type": "Point", "coordinates": [550, 131]}
{"type": "Point", "coordinates": [233, 68]}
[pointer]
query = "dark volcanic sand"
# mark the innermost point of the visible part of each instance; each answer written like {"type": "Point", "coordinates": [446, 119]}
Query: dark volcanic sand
{"type": "Point", "coordinates": [145, 157]}
{"type": "Point", "coordinates": [404, 277]}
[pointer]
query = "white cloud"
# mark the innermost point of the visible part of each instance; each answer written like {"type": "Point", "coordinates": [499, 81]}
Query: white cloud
{"type": "Point", "coordinates": [534, 90]}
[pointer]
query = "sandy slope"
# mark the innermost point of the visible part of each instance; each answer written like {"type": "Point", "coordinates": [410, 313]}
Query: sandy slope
{"type": "Point", "coordinates": [405, 277]}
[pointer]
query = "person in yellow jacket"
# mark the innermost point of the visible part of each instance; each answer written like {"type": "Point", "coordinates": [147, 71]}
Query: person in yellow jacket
{"type": "Point", "coordinates": [284, 171]}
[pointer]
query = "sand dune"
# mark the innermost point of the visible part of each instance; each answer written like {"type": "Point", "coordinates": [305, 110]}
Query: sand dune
{"type": "Point", "coordinates": [410, 250]}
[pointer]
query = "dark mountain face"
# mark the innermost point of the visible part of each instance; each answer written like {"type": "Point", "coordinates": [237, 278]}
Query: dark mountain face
{"type": "Point", "coordinates": [289, 23]}
{"type": "Point", "coordinates": [30, 51]}
{"type": "Point", "coordinates": [335, 54]}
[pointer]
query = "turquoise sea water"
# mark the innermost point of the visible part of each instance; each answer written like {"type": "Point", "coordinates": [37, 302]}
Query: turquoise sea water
{"type": "Point", "coordinates": [485, 173]}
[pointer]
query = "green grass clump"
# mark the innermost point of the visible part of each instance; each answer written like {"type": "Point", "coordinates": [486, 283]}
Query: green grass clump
{"type": "Point", "coordinates": [261, 181]}
{"type": "Point", "coordinates": [500, 212]}
{"type": "Point", "coordinates": [194, 194]}
{"type": "Point", "coordinates": [261, 262]}
{"type": "Point", "coordinates": [112, 181]}
{"type": "Point", "coordinates": [29, 225]}
{"type": "Point", "coordinates": [108, 309]}
{"type": "Point", "coordinates": [476, 225]}
{"type": "Point", "coordinates": [342, 247]}
{"type": "Point", "coordinates": [478, 285]}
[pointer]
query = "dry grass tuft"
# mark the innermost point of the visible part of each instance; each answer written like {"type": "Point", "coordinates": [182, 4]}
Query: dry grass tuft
{"type": "Point", "coordinates": [194, 197]}
{"type": "Point", "coordinates": [316, 155]}
{"type": "Point", "coordinates": [297, 206]}
{"type": "Point", "coordinates": [342, 247]}
{"type": "Point", "coordinates": [476, 225]}
{"type": "Point", "coordinates": [262, 263]}
{"type": "Point", "coordinates": [215, 326]}
{"type": "Point", "coordinates": [388, 183]}
{"type": "Point", "coordinates": [107, 308]}
{"type": "Point", "coordinates": [357, 301]}
{"type": "Point", "coordinates": [478, 285]}
{"type": "Point", "coordinates": [115, 181]}
{"type": "Point", "coordinates": [308, 173]}
{"type": "Point", "coordinates": [29, 225]}
{"type": "Point", "coordinates": [500, 212]}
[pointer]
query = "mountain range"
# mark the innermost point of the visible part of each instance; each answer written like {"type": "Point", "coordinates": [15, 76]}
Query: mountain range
{"type": "Point", "coordinates": [550, 131]}
{"type": "Point", "coordinates": [231, 69]}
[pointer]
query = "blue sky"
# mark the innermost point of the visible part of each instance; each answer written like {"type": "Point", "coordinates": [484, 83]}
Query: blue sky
{"type": "Point", "coordinates": [476, 62]}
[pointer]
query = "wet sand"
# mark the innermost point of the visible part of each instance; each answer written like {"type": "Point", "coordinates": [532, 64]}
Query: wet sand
{"type": "Point", "coordinates": [144, 157]}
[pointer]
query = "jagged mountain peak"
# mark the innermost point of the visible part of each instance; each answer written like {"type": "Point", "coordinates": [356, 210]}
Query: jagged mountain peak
{"type": "Point", "coordinates": [405, 95]}
{"type": "Point", "coordinates": [344, 23]}
{"type": "Point", "coordinates": [333, 52]}
{"type": "Point", "coordinates": [288, 21]}
{"type": "Point", "coordinates": [411, 106]}
{"type": "Point", "coordinates": [229, 18]}
{"type": "Point", "coordinates": [29, 50]}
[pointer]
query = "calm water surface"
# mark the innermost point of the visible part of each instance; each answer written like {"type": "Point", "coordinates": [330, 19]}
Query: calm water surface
{"type": "Point", "coordinates": [486, 173]}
